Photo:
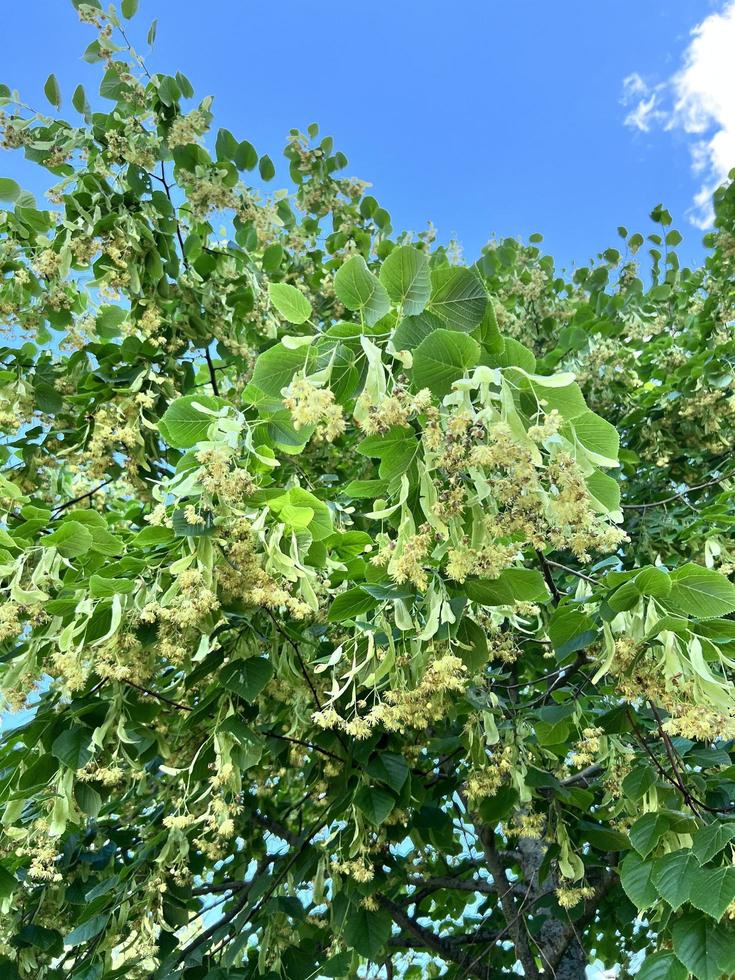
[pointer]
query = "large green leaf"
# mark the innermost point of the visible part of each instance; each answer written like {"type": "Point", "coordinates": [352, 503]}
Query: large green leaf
{"type": "Point", "coordinates": [72, 747]}
{"type": "Point", "coordinates": [72, 539]}
{"type": "Point", "coordinates": [9, 189]}
{"type": "Point", "coordinates": [513, 585]}
{"type": "Point", "coordinates": [707, 950]}
{"type": "Point", "coordinates": [87, 930]}
{"type": "Point", "coordinates": [52, 91]}
{"type": "Point", "coordinates": [701, 592]}
{"type": "Point", "coordinates": [662, 966]}
{"type": "Point", "coordinates": [349, 604]}
{"type": "Point", "coordinates": [673, 876]}
{"type": "Point", "coordinates": [375, 802]}
{"type": "Point", "coordinates": [458, 297]}
{"type": "Point", "coordinates": [405, 275]}
{"type": "Point", "coordinates": [710, 840]}
{"type": "Point", "coordinates": [366, 931]}
{"type": "Point", "coordinates": [596, 436]}
{"type": "Point", "coordinates": [713, 889]}
{"type": "Point", "coordinates": [290, 303]}
{"type": "Point", "coordinates": [647, 831]}
{"type": "Point", "coordinates": [442, 358]}
{"type": "Point", "coordinates": [390, 768]}
{"type": "Point", "coordinates": [185, 423]}
{"type": "Point", "coordinates": [359, 289]}
{"type": "Point", "coordinates": [636, 879]}
{"type": "Point", "coordinates": [246, 677]}
{"type": "Point", "coordinates": [638, 781]}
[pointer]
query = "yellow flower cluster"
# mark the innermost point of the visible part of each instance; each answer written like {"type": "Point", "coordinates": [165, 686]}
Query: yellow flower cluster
{"type": "Point", "coordinates": [488, 561]}
{"type": "Point", "coordinates": [406, 563]}
{"type": "Point", "coordinates": [569, 897]}
{"type": "Point", "coordinates": [587, 748]}
{"type": "Point", "coordinates": [242, 575]}
{"type": "Point", "coordinates": [310, 405]}
{"type": "Point", "coordinates": [229, 483]}
{"type": "Point", "coordinates": [188, 128]}
{"type": "Point", "coordinates": [395, 409]}
{"type": "Point", "coordinates": [10, 622]}
{"type": "Point", "coordinates": [359, 869]}
{"type": "Point", "coordinates": [698, 722]}
{"type": "Point", "coordinates": [115, 429]}
{"type": "Point", "coordinates": [530, 825]}
{"type": "Point", "coordinates": [486, 782]}
{"type": "Point", "coordinates": [401, 710]}
{"type": "Point", "coordinates": [43, 854]}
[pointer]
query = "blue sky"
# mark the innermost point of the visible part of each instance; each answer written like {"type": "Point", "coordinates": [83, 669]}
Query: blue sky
{"type": "Point", "coordinates": [485, 117]}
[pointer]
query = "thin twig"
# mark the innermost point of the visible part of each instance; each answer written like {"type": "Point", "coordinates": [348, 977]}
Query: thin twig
{"type": "Point", "coordinates": [677, 496]}
{"type": "Point", "coordinates": [159, 697]}
{"type": "Point", "coordinates": [83, 496]}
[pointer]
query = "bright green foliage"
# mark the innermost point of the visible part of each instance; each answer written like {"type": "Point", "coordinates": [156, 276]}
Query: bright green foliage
{"type": "Point", "coordinates": [378, 610]}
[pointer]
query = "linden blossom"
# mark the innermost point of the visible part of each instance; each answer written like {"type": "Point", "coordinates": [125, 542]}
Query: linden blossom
{"type": "Point", "coordinates": [334, 646]}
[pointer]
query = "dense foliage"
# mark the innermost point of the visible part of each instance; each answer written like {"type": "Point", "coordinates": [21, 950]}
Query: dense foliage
{"type": "Point", "coordinates": [344, 656]}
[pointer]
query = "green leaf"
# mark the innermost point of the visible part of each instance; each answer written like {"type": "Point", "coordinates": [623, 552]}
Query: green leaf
{"type": "Point", "coordinates": [275, 368]}
{"type": "Point", "coordinates": [359, 289]}
{"type": "Point", "coordinates": [290, 303]}
{"type": "Point", "coordinates": [653, 581]}
{"type": "Point", "coordinates": [52, 91]}
{"type": "Point", "coordinates": [513, 585]}
{"type": "Point", "coordinates": [596, 436]}
{"type": "Point", "coordinates": [8, 883]}
{"type": "Point", "coordinates": [405, 275]}
{"type": "Point", "coordinates": [246, 156]}
{"type": "Point", "coordinates": [713, 889]}
{"type": "Point", "coordinates": [487, 333]}
{"type": "Point", "coordinates": [367, 932]}
{"type": "Point", "coordinates": [443, 358]}
{"type": "Point", "coordinates": [706, 949]}
{"type": "Point", "coordinates": [266, 167]}
{"type": "Point", "coordinates": [635, 877]}
{"type": "Point", "coordinates": [458, 297]}
{"type": "Point", "coordinates": [389, 768]}
{"type": "Point", "coordinates": [336, 966]}
{"type": "Point", "coordinates": [376, 803]}
{"type": "Point", "coordinates": [701, 592]}
{"type": "Point", "coordinates": [349, 605]}
{"type": "Point", "coordinates": [673, 876]}
{"type": "Point", "coordinates": [646, 832]}
{"type": "Point", "coordinates": [396, 450]}
{"type": "Point", "coordinates": [602, 837]}
{"type": "Point", "coordinates": [412, 329]}
{"type": "Point", "coordinates": [366, 489]}
{"type": "Point", "coordinates": [662, 966]}
{"type": "Point", "coordinates": [638, 781]}
{"type": "Point", "coordinates": [129, 8]}
{"type": "Point", "coordinates": [72, 747]}
{"type": "Point", "coordinates": [570, 631]}
{"type": "Point", "coordinates": [72, 539]}
{"type": "Point", "coordinates": [709, 841]}
{"type": "Point", "coordinates": [9, 189]}
{"type": "Point", "coordinates": [100, 587]}
{"type": "Point", "coordinates": [87, 930]}
{"type": "Point", "coordinates": [246, 677]}
{"type": "Point", "coordinates": [88, 799]}
{"type": "Point", "coordinates": [184, 423]}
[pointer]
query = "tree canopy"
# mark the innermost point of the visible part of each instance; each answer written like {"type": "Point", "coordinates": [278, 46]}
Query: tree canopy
{"type": "Point", "coordinates": [373, 610]}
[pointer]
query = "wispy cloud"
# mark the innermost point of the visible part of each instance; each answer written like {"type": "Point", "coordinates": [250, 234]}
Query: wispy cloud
{"type": "Point", "coordinates": [699, 99]}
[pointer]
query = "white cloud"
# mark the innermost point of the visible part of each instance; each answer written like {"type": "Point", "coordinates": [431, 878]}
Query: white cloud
{"type": "Point", "coordinates": [699, 100]}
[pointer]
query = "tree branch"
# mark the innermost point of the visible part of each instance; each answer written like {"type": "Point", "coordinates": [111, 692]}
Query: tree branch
{"type": "Point", "coordinates": [678, 496]}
